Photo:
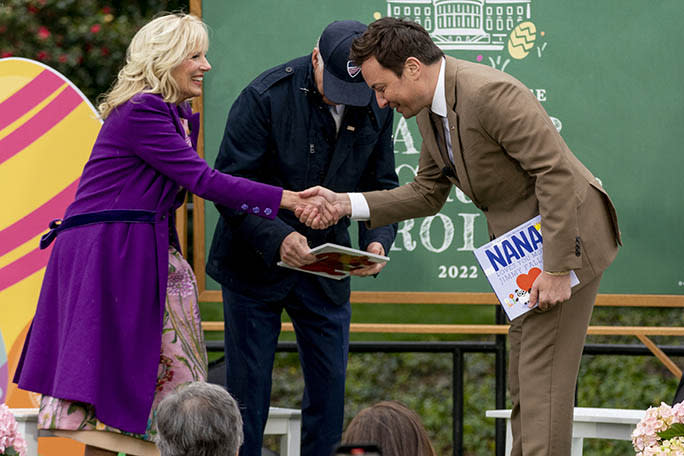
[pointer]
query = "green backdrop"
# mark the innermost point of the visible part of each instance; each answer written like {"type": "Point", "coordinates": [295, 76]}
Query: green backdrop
{"type": "Point", "coordinates": [609, 72]}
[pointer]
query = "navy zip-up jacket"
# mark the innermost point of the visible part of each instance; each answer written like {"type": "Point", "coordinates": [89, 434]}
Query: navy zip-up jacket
{"type": "Point", "coordinates": [279, 131]}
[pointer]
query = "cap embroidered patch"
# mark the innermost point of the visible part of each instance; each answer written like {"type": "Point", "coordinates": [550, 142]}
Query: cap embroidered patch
{"type": "Point", "coordinates": [352, 69]}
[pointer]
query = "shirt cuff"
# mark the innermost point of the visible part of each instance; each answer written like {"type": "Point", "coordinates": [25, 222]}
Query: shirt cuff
{"type": "Point", "coordinates": [557, 273]}
{"type": "Point", "coordinates": [359, 207]}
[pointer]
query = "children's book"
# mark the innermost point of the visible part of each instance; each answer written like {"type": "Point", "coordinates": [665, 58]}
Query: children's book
{"type": "Point", "coordinates": [512, 262]}
{"type": "Point", "coordinates": [336, 261]}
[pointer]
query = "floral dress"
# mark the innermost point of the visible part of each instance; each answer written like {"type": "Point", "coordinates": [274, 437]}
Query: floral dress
{"type": "Point", "coordinates": [183, 358]}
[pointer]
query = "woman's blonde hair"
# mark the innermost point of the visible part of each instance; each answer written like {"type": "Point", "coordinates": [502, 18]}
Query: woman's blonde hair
{"type": "Point", "coordinates": [159, 46]}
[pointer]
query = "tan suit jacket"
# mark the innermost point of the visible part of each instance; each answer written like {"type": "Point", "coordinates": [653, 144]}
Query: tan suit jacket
{"type": "Point", "coordinates": [513, 164]}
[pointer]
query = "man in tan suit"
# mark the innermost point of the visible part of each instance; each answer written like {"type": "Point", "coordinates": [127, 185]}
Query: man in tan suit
{"type": "Point", "coordinates": [484, 132]}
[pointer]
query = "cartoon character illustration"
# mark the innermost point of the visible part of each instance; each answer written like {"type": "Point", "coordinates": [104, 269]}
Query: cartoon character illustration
{"type": "Point", "coordinates": [520, 296]}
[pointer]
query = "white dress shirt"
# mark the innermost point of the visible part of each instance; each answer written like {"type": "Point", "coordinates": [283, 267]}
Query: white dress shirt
{"type": "Point", "coordinates": [439, 107]}
{"type": "Point", "coordinates": [337, 112]}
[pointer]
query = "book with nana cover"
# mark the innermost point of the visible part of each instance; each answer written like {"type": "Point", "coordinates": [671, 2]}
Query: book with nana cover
{"type": "Point", "coordinates": [512, 262]}
{"type": "Point", "coordinates": [335, 261]}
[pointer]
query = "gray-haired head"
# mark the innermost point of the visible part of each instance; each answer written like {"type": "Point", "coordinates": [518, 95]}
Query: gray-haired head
{"type": "Point", "coordinates": [199, 419]}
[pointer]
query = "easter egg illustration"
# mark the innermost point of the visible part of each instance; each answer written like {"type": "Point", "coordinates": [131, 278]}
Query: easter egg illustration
{"type": "Point", "coordinates": [521, 40]}
{"type": "Point", "coordinates": [47, 130]}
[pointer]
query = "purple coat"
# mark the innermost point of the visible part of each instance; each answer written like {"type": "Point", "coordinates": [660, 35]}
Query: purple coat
{"type": "Point", "coordinates": [96, 335]}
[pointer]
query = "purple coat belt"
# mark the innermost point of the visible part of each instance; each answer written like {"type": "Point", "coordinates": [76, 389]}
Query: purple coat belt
{"type": "Point", "coordinates": [122, 215]}
{"type": "Point", "coordinates": [96, 334]}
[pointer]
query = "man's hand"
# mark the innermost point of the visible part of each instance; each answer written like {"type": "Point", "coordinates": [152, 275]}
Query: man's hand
{"type": "Point", "coordinates": [376, 248]}
{"type": "Point", "coordinates": [321, 211]}
{"type": "Point", "coordinates": [294, 250]}
{"type": "Point", "coordinates": [313, 216]}
{"type": "Point", "coordinates": [550, 290]}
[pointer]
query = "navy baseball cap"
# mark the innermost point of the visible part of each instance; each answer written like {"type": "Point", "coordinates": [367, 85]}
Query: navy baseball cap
{"type": "Point", "coordinates": [342, 79]}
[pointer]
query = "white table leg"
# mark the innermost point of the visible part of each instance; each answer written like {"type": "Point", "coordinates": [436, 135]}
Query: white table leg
{"type": "Point", "coordinates": [295, 436]}
{"type": "Point", "coordinates": [509, 438]}
{"type": "Point", "coordinates": [286, 424]}
{"type": "Point", "coordinates": [27, 425]}
{"type": "Point", "coordinates": [576, 446]}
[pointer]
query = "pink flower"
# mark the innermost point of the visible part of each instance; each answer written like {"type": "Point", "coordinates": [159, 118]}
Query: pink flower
{"type": "Point", "coordinates": [106, 10]}
{"type": "Point", "coordinates": [6, 54]}
{"type": "Point", "coordinates": [43, 32]}
{"type": "Point", "coordinates": [42, 55]}
{"type": "Point", "coordinates": [678, 412]}
{"type": "Point", "coordinates": [62, 58]}
{"type": "Point", "coordinates": [95, 28]}
{"type": "Point", "coordinates": [645, 438]}
{"type": "Point", "coordinates": [9, 435]}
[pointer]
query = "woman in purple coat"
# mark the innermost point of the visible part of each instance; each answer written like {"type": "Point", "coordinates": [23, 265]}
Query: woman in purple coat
{"type": "Point", "coordinates": [117, 325]}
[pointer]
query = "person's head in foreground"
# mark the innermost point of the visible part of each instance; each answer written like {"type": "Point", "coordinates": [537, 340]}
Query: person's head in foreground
{"type": "Point", "coordinates": [199, 419]}
{"type": "Point", "coordinates": [398, 60]}
{"type": "Point", "coordinates": [166, 56]}
{"type": "Point", "coordinates": [395, 428]}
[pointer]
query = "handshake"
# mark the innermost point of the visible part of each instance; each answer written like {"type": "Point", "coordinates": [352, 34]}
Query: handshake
{"type": "Point", "coordinates": [317, 207]}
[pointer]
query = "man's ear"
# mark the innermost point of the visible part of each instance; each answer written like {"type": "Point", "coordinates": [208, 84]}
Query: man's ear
{"type": "Point", "coordinates": [413, 68]}
{"type": "Point", "coordinates": [315, 55]}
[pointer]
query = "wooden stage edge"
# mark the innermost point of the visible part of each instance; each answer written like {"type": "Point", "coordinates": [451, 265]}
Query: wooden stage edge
{"type": "Point", "coordinates": [389, 297]}
{"type": "Point", "coordinates": [412, 328]}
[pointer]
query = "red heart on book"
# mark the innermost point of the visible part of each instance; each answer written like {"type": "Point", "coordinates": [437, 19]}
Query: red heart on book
{"type": "Point", "coordinates": [525, 281]}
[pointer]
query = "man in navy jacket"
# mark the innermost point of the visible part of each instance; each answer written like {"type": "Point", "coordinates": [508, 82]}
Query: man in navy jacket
{"type": "Point", "coordinates": [311, 121]}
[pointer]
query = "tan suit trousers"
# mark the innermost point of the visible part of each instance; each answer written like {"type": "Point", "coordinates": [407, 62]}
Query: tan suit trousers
{"type": "Point", "coordinates": [545, 354]}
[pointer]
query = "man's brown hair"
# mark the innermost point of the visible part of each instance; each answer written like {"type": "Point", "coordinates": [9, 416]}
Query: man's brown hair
{"type": "Point", "coordinates": [391, 41]}
{"type": "Point", "coordinates": [391, 425]}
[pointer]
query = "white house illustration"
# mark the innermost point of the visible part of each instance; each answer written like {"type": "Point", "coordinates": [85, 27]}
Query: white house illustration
{"type": "Point", "coordinates": [464, 24]}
